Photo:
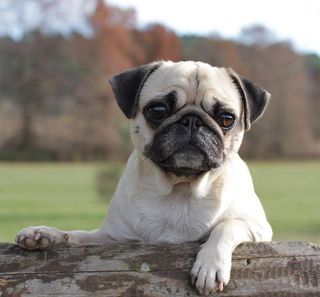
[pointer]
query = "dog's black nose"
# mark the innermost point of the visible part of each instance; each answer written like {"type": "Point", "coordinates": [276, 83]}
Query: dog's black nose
{"type": "Point", "coordinates": [192, 122]}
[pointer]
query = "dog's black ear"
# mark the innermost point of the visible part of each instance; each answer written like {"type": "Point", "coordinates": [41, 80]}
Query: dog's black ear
{"type": "Point", "coordinates": [127, 85]}
{"type": "Point", "coordinates": [255, 99]}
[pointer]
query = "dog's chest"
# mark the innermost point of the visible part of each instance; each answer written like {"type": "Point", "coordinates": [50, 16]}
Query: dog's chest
{"type": "Point", "coordinates": [176, 217]}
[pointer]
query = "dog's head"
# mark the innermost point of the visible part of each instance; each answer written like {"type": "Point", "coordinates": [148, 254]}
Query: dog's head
{"type": "Point", "coordinates": [187, 117]}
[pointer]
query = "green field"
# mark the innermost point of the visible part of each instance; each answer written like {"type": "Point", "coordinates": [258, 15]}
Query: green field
{"type": "Point", "coordinates": [65, 195]}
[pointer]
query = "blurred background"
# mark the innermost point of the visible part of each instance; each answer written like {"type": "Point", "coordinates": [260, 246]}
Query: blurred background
{"type": "Point", "coordinates": [64, 141]}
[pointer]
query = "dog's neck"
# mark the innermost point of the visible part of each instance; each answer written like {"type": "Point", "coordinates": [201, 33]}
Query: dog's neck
{"type": "Point", "coordinates": [164, 183]}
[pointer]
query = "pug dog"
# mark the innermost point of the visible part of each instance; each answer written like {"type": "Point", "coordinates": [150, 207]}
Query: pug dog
{"type": "Point", "coordinates": [184, 180]}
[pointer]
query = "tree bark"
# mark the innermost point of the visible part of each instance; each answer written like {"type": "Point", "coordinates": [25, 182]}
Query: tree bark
{"type": "Point", "coordinates": [137, 269]}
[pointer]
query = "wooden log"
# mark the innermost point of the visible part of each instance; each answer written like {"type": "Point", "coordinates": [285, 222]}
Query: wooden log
{"type": "Point", "coordinates": [136, 269]}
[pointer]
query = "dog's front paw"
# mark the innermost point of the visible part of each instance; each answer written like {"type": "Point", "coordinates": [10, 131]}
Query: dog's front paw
{"type": "Point", "coordinates": [39, 238]}
{"type": "Point", "coordinates": [211, 271]}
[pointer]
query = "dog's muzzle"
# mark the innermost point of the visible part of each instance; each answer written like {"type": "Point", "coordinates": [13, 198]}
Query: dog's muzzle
{"type": "Point", "coordinates": [187, 146]}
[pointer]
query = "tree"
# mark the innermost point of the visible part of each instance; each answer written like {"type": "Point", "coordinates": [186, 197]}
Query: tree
{"type": "Point", "coordinates": [257, 35]}
{"type": "Point", "coordinates": [159, 43]}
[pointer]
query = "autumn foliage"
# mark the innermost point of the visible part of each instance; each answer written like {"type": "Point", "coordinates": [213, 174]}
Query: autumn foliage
{"type": "Point", "coordinates": [55, 102]}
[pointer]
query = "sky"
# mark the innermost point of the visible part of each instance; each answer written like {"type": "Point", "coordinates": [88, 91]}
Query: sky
{"type": "Point", "coordinates": [295, 20]}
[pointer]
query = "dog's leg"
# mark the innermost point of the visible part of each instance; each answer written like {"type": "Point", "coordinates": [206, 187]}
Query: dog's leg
{"type": "Point", "coordinates": [211, 270]}
{"type": "Point", "coordinates": [42, 237]}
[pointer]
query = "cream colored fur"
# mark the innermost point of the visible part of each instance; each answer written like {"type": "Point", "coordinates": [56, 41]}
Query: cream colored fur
{"type": "Point", "coordinates": [154, 206]}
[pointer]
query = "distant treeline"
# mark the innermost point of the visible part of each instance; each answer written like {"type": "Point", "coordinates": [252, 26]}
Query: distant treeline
{"type": "Point", "coordinates": [56, 104]}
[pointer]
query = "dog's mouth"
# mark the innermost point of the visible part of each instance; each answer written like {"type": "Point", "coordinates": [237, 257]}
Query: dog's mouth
{"type": "Point", "coordinates": [186, 162]}
{"type": "Point", "coordinates": [183, 171]}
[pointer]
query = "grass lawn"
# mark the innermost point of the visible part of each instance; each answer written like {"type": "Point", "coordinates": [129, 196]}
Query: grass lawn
{"type": "Point", "coordinates": [65, 195]}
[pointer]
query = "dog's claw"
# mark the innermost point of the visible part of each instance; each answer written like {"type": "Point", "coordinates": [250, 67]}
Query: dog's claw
{"type": "Point", "coordinates": [37, 237]}
{"type": "Point", "coordinates": [220, 286]}
{"type": "Point", "coordinates": [20, 238]}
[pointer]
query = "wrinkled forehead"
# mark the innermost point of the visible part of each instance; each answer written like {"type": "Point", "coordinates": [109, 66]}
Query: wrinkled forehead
{"type": "Point", "coordinates": [194, 82]}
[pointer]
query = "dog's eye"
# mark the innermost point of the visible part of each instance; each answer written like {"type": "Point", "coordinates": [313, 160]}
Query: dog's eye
{"type": "Point", "coordinates": [226, 120]}
{"type": "Point", "coordinates": [157, 113]}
